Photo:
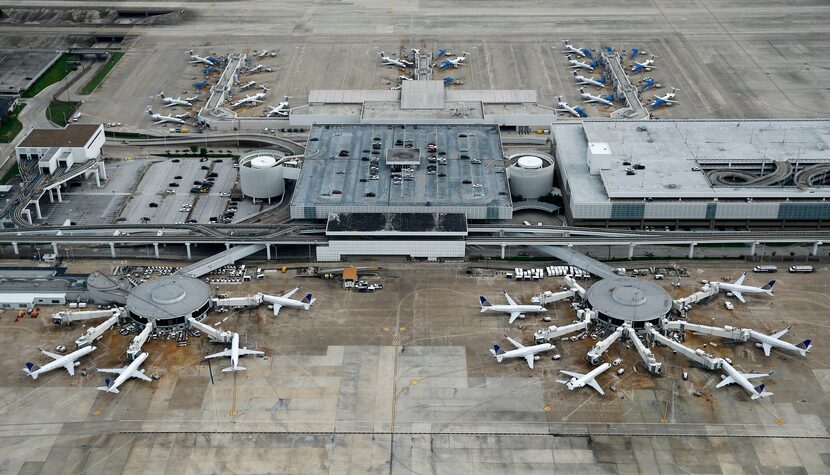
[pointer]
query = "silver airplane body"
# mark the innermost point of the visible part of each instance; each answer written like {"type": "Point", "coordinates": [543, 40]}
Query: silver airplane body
{"type": "Point", "coordinates": [588, 97]}
{"type": "Point", "coordinates": [249, 100]}
{"type": "Point", "coordinates": [281, 110]}
{"type": "Point", "coordinates": [579, 380]}
{"type": "Point", "coordinates": [571, 49]}
{"type": "Point", "coordinates": [513, 308]}
{"type": "Point", "coordinates": [284, 300]}
{"type": "Point", "coordinates": [400, 63]}
{"type": "Point", "coordinates": [521, 351]}
{"type": "Point", "coordinates": [768, 342]}
{"type": "Point", "coordinates": [234, 352]}
{"type": "Point", "coordinates": [742, 379]}
{"type": "Point", "coordinates": [738, 289]}
{"type": "Point", "coordinates": [161, 119]}
{"type": "Point", "coordinates": [125, 373]}
{"type": "Point", "coordinates": [585, 81]}
{"type": "Point", "coordinates": [69, 362]}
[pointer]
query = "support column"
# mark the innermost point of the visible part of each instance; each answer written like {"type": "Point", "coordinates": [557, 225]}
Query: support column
{"type": "Point", "coordinates": [631, 251]}
{"type": "Point", "coordinates": [16, 250]}
{"type": "Point", "coordinates": [51, 196]}
{"type": "Point", "coordinates": [503, 246]}
{"type": "Point", "coordinates": [37, 209]}
{"type": "Point", "coordinates": [752, 248]}
{"type": "Point", "coordinates": [815, 248]}
{"type": "Point", "coordinates": [267, 251]}
{"type": "Point", "coordinates": [55, 248]}
{"type": "Point", "coordinates": [97, 178]}
{"type": "Point", "coordinates": [112, 249]}
{"type": "Point", "coordinates": [227, 245]}
{"type": "Point", "coordinates": [103, 169]}
{"type": "Point", "coordinates": [29, 215]}
{"type": "Point", "coordinates": [156, 248]}
{"type": "Point", "coordinates": [58, 190]}
{"type": "Point", "coordinates": [692, 250]}
{"type": "Point", "coordinates": [187, 246]}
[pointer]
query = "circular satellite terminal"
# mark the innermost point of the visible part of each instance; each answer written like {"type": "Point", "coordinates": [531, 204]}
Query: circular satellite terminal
{"type": "Point", "coordinates": [530, 162]}
{"type": "Point", "coordinates": [168, 301]}
{"type": "Point", "coordinates": [626, 299]}
{"type": "Point", "coordinates": [263, 161]}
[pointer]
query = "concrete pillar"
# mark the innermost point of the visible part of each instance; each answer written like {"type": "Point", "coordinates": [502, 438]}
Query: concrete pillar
{"type": "Point", "coordinates": [156, 248]}
{"type": "Point", "coordinates": [227, 245]}
{"type": "Point", "coordinates": [112, 249]}
{"type": "Point", "coordinates": [97, 178]}
{"type": "Point", "coordinates": [752, 248]}
{"type": "Point", "coordinates": [815, 248]}
{"type": "Point", "coordinates": [58, 190]}
{"type": "Point", "coordinates": [267, 251]}
{"type": "Point", "coordinates": [187, 246]}
{"type": "Point", "coordinates": [503, 246]}
{"type": "Point", "coordinates": [14, 246]}
{"type": "Point", "coordinates": [631, 251]}
{"type": "Point", "coordinates": [29, 215]}
{"type": "Point", "coordinates": [103, 169]}
{"type": "Point", "coordinates": [55, 248]}
{"type": "Point", "coordinates": [37, 209]}
{"type": "Point", "coordinates": [692, 250]}
{"type": "Point", "coordinates": [51, 196]}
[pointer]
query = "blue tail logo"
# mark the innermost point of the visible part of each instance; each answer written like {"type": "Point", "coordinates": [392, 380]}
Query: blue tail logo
{"type": "Point", "coordinates": [769, 285]}
{"type": "Point", "coordinates": [307, 299]}
{"type": "Point", "coordinates": [483, 301]}
{"type": "Point", "coordinates": [760, 388]}
{"type": "Point", "coordinates": [804, 345]}
{"type": "Point", "coordinates": [107, 382]}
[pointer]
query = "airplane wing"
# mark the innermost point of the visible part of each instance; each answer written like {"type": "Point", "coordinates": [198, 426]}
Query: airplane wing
{"type": "Point", "coordinates": [739, 296]}
{"type": "Point", "coordinates": [221, 354]}
{"type": "Point", "coordinates": [51, 355]}
{"type": "Point", "coordinates": [725, 381]}
{"type": "Point", "coordinates": [515, 343]}
{"type": "Point", "coordinates": [594, 384]}
{"type": "Point", "coordinates": [778, 335]}
{"type": "Point", "coordinates": [290, 292]}
{"type": "Point", "coordinates": [170, 105]}
{"type": "Point", "coordinates": [245, 351]}
{"type": "Point", "coordinates": [767, 347]}
{"type": "Point", "coordinates": [513, 316]}
{"type": "Point", "coordinates": [572, 374]}
{"type": "Point", "coordinates": [277, 308]}
{"type": "Point", "coordinates": [755, 375]}
{"type": "Point", "coordinates": [530, 359]}
{"type": "Point", "coordinates": [110, 370]}
{"type": "Point", "coordinates": [509, 299]}
{"type": "Point", "coordinates": [140, 375]}
{"type": "Point", "coordinates": [70, 368]}
{"type": "Point", "coordinates": [740, 280]}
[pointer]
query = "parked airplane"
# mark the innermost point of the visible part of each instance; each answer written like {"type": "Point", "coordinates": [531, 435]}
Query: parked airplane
{"type": "Point", "coordinates": [249, 100]}
{"type": "Point", "coordinates": [258, 69]}
{"type": "Point", "coordinates": [513, 308]}
{"type": "Point", "coordinates": [263, 54]}
{"type": "Point", "coordinates": [582, 52]}
{"type": "Point", "coordinates": [575, 111]}
{"type": "Point", "coordinates": [588, 97]}
{"type": "Point", "coordinates": [401, 63]}
{"type": "Point", "coordinates": [281, 110]}
{"type": "Point", "coordinates": [234, 352]}
{"type": "Point", "coordinates": [767, 342]}
{"type": "Point", "coordinates": [667, 100]}
{"type": "Point", "coordinates": [738, 289]}
{"type": "Point", "coordinates": [194, 58]}
{"type": "Point", "coordinates": [161, 119]}
{"type": "Point", "coordinates": [735, 376]}
{"type": "Point", "coordinates": [247, 85]}
{"type": "Point", "coordinates": [186, 115]}
{"type": "Point", "coordinates": [576, 64]}
{"type": "Point", "coordinates": [646, 65]}
{"type": "Point", "coordinates": [69, 362]}
{"type": "Point", "coordinates": [284, 301]}
{"type": "Point", "coordinates": [125, 373]}
{"type": "Point", "coordinates": [648, 83]}
{"type": "Point", "coordinates": [521, 351]}
{"type": "Point", "coordinates": [178, 101]}
{"type": "Point", "coordinates": [583, 81]}
{"type": "Point", "coordinates": [458, 61]}
{"type": "Point", "coordinates": [579, 380]}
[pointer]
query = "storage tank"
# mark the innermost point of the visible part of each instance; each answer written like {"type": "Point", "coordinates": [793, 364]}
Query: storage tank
{"type": "Point", "coordinates": [261, 174]}
{"type": "Point", "coordinates": [531, 174]}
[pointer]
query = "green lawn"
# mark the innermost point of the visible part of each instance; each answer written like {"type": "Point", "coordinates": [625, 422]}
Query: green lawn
{"type": "Point", "coordinates": [11, 126]}
{"type": "Point", "coordinates": [101, 74]}
{"type": "Point", "coordinates": [9, 174]}
{"type": "Point", "coordinates": [58, 71]}
{"type": "Point", "coordinates": [60, 112]}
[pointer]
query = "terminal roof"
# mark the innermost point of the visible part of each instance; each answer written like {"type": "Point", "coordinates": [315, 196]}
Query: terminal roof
{"type": "Point", "coordinates": [73, 135]}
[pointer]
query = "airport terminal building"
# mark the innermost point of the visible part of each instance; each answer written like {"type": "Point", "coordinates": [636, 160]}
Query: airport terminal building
{"type": "Point", "coordinates": [759, 173]}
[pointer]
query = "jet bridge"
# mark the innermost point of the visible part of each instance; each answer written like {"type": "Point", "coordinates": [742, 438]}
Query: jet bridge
{"type": "Point", "coordinates": [699, 356]}
{"type": "Point", "coordinates": [214, 334]}
{"type": "Point", "coordinates": [728, 332]}
{"type": "Point", "coordinates": [578, 289]}
{"type": "Point", "coordinates": [553, 332]}
{"type": "Point", "coordinates": [249, 301]}
{"type": "Point", "coordinates": [550, 297]}
{"type": "Point", "coordinates": [95, 333]}
{"type": "Point", "coordinates": [654, 366]}
{"type": "Point", "coordinates": [595, 355]}
{"type": "Point", "coordinates": [684, 304]}
{"type": "Point", "coordinates": [68, 317]}
{"type": "Point", "coordinates": [135, 346]}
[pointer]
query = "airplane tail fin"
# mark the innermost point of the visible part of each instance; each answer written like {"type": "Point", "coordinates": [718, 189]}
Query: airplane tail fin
{"type": "Point", "coordinates": [31, 368]}
{"type": "Point", "coordinates": [804, 347]}
{"type": "Point", "coordinates": [769, 285]}
{"type": "Point", "coordinates": [307, 300]}
{"type": "Point", "coordinates": [484, 303]}
{"type": "Point", "coordinates": [496, 354]}
{"type": "Point", "coordinates": [760, 393]}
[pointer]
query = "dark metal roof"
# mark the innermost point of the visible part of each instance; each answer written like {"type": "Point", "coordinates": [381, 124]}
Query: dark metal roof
{"type": "Point", "coordinates": [74, 135]}
{"type": "Point", "coordinates": [397, 222]}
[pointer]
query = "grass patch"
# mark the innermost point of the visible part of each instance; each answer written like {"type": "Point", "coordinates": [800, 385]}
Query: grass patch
{"type": "Point", "coordinates": [9, 174]}
{"type": "Point", "coordinates": [60, 113]}
{"type": "Point", "coordinates": [101, 74]}
{"type": "Point", "coordinates": [11, 126]}
{"type": "Point", "coordinates": [58, 71]}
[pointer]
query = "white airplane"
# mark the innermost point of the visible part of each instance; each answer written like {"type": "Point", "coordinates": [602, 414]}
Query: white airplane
{"type": "Point", "coordinates": [252, 100]}
{"type": "Point", "coordinates": [281, 110]}
{"type": "Point", "coordinates": [259, 69]}
{"type": "Point", "coordinates": [738, 289]}
{"type": "Point", "coordinates": [521, 351]}
{"type": "Point", "coordinates": [178, 101]}
{"type": "Point", "coordinates": [456, 62]}
{"type": "Point", "coordinates": [666, 100]}
{"type": "Point", "coordinates": [583, 81]}
{"type": "Point", "coordinates": [401, 63]}
{"type": "Point", "coordinates": [565, 107]}
{"type": "Point", "coordinates": [69, 362]}
{"type": "Point", "coordinates": [247, 85]}
{"type": "Point", "coordinates": [234, 352]}
{"type": "Point", "coordinates": [579, 380]}
{"type": "Point", "coordinates": [263, 54]}
{"type": "Point", "coordinates": [767, 342]}
{"type": "Point", "coordinates": [576, 64]}
{"type": "Point", "coordinates": [588, 97]}
{"type": "Point", "coordinates": [195, 58]}
{"type": "Point", "coordinates": [186, 115]}
{"type": "Point", "coordinates": [512, 307]}
{"type": "Point", "coordinates": [646, 65]}
{"type": "Point", "coordinates": [284, 301]}
{"type": "Point", "coordinates": [735, 376]}
{"type": "Point", "coordinates": [160, 119]}
{"type": "Point", "coordinates": [582, 52]}
{"type": "Point", "coordinates": [125, 373]}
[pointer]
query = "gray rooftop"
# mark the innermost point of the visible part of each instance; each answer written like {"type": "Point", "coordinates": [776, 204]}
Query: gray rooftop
{"type": "Point", "coordinates": [629, 299]}
{"type": "Point", "coordinates": [681, 157]}
{"type": "Point", "coordinates": [406, 223]}
{"type": "Point", "coordinates": [422, 95]}
{"type": "Point", "coordinates": [168, 296]}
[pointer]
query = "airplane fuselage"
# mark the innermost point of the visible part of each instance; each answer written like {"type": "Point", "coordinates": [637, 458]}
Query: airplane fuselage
{"type": "Point", "coordinates": [515, 308]}
{"type": "Point", "coordinates": [63, 361]}
{"type": "Point", "coordinates": [125, 375]}
{"type": "Point", "coordinates": [592, 98]}
{"type": "Point", "coordinates": [776, 343]}
{"type": "Point", "coordinates": [235, 351]}
{"type": "Point", "coordinates": [524, 352]}
{"type": "Point", "coordinates": [739, 378]}
{"type": "Point", "coordinates": [575, 383]}
{"type": "Point", "coordinates": [743, 289]}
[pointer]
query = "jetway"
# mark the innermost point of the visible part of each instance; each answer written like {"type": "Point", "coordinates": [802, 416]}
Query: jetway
{"type": "Point", "coordinates": [553, 332]}
{"type": "Point", "coordinates": [654, 366]}
{"type": "Point", "coordinates": [578, 289]}
{"type": "Point", "coordinates": [728, 332]}
{"type": "Point", "coordinates": [249, 301]}
{"type": "Point", "coordinates": [699, 356]}
{"type": "Point", "coordinates": [94, 333]}
{"type": "Point", "coordinates": [135, 346]}
{"type": "Point", "coordinates": [214, 334]}
{"type": "Point", "coordinates": [684, 304]}
{"type": "Point", "coordinates": [594, 356]}
{"type": "Point", "coordinates": [67, 317]}
{"type": "Point", "coordinates": [550, 297]}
